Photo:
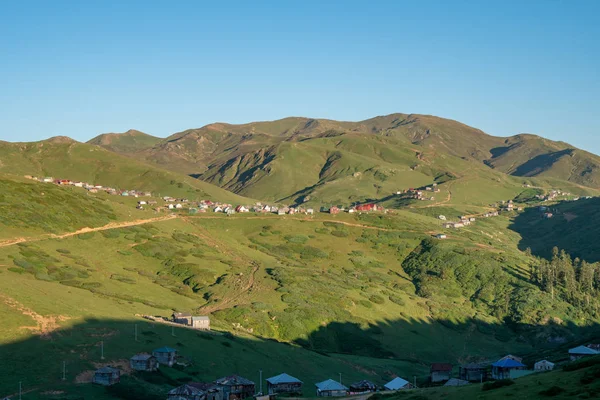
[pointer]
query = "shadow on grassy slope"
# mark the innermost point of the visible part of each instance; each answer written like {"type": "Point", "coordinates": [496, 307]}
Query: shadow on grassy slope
{"type": "Point", "coordinates": [574, 228]}
{"type": "Point", "coordinates": [356, 352]}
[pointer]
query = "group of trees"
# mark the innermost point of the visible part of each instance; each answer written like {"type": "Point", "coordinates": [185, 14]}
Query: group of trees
{"type": "Point", "coordinates": [573, 280]}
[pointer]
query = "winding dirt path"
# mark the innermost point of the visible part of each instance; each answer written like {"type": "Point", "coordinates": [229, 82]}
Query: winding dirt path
{"type": "Point", "coordinates": [112, 225]}
{"type": "Point", "coordinates": [44, 325]}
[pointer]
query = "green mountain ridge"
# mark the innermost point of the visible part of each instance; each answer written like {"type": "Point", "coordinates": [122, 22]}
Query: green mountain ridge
{"type": "Point", "coordinates": [65, 158]}
{"type": "Point", "coordinates": [127, 142]}
{"type": "Point", "coordinates": [252, 159]}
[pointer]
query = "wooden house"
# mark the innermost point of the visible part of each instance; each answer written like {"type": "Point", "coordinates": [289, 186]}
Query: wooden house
{"type": "Point", "coordinates": [501, 369]}
{"type": "Point", "coordinates": [211, 390]}
{"type": "Point", "coordinates": [474, 372]}
{"type": "Point", "coordinates": [107, 376]}
{"type": "Point", "coordinates": [165, 355]}
{"type": "Point", "coordinates": [202, 322]}
{"type": "Point", "coordinates": [235, 387]}
{"type": "Point", "coordinates": [186, 392]}
{"type": "Point", "coordinates": [331, 388]}
{"type": "Point", "coordinates": [440, 372]}
{"type": "Point", "coordinates": [143, 362]}
{"type": "Point", "coordinates": [398, 384]}
{"type": "Point", "coordinates": [334, 210]}
{"type": "Point", "coordinates": [284, 383]}
{"type": "Point", "coordinates": [182, 318]}
{"type": "Point", "coordinates": [362, 387]}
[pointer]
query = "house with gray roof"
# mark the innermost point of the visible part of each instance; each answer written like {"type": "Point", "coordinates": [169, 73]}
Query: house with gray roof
{"type": "Point", "coordinates": [235, 387]}
{"type": "Point", "coordinates": [284, 383]}
{"type": "Point", "coordinates": [331, 388]}
{"type": "Point", "coordinates": [581, 352]}
{"type": "Point", "coordinates": [398, 384]}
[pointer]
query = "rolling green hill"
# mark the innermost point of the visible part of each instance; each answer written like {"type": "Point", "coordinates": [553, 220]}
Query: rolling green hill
{"type": "Point", "coordinates": [127, 142]}
{"type": "Point", "coordinates": [65, 158]}
{"type": "Point", "coordinates": [328, 162]}
{"type": "Point", "coordinates": [367, 295]}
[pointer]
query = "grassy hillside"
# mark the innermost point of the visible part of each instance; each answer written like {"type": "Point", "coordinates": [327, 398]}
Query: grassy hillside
{"type": "Point", "coordinates": [67, 159]}
{"type": "Point", "coordinates": [127, 142]}
{"type": "Point", "coordinates": [369, 296]}
{"type": "Point", "coordinates": [388, 153]}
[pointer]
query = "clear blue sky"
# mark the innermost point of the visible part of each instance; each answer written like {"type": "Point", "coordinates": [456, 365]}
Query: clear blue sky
{"type": "Point", "coordinates": [84, 68]}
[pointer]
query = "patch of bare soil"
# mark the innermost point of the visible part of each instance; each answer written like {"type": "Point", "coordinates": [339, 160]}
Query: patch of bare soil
{"type": "Point", "coordinates": [45, 325]}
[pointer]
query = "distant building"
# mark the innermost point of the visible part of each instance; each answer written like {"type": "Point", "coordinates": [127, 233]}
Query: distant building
{"type": "Point", "coordinates": [202, 322]}
{"type": "Point", "coordinates": [474, 372]}
{"type": "Point", "coordinates": [501, 369]}
{"type": "Point", "coordinates": [334, 210]}
{"type": "Point", "coordinates": [367, 207]}
{"type": "Point", "coordinates": [284, 384]}
{"type": "Point", "coordinates": [398, 384]}
{"type": "Point", "coordinates": [331, 388]}
{"type": "Point", "coordinates": [143, 362]}
{"type": "Point", "coordinates": [107, 376]}
{"type": "Point", "coordinates": [362, 387]}
{"type": "Point", "coordinates": [440, 372]}
{"type": "Point", "coordinates": [183, 318]}
{"type": "Point", "coordinates": [581, 352]}
{"type": "Point", "coordinates": [165, 355]}
{"type": "Point", "coordinates": [186, 392]}
{"type": "Point", "coordinates": [543, 365]}
{"type": "Point", "coordinates": [441, 236]}
{"type": "Point", "coordinates": [235, 387]}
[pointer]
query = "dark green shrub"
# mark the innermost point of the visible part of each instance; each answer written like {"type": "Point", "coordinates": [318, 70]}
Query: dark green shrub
{"type": "Point", "coordinates": [552, 391]}
{"type": "Point", "coordinates": [376, 299]}
{"type": "Point", "coordinates": [497, 384]}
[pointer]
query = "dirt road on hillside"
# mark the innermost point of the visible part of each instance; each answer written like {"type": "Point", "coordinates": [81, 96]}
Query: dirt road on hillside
{"type": "Point", "coordinates": [112, 225]}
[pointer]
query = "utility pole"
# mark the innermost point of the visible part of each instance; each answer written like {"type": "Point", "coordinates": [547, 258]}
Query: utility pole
{"type": "Point", "coordinates": [340, 378]}
{"type": "Point", "coordinates": [20, 390]}
{"type": "Point", "coordinates": [136, 332]}
{"type": "Point", "coordinates": [64, 378]}
{"type": "Point", "coordinates": [260, 384]}
{"type": "Point", "coordinates": [102, 350]}
{"type": "Point", "coordinates": [172, 331]}
{"type": "Point", "coordinates": [415, 381]}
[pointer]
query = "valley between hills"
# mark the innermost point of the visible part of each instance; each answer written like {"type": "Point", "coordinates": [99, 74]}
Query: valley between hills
{"type": "Point", "coordinates": [350, 270]}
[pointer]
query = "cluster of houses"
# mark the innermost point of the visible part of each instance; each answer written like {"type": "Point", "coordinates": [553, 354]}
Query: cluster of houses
{"type": "Point", "coordinates": [464, 221]}
{"type": "Point", "coordinates": [420, 194]}
{"type": "Point", "coordinates": [196, 322]}
{"type": "Point", "coordinates": [90, 187]}
{"type": "Point", "coordinates": [359, 208]}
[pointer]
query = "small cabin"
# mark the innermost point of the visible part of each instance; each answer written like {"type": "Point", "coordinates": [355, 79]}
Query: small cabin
{"type": "Point", "coordinates": [235, 387]}
{"type": "Point", "coordinates": [182, 318]}
{"type": "Point", "coordinates": [474, 372]}
{"type": "Point", "coordinates": [501, 369]}
{"type": "Point", "coordinates": [363, 386]}
{"type": "Point", "coordinates": [543, 365]}
{"type": "Point", "coordinates": [165, 355]}
{"type": "Point", "coordinates": [331, 388]}
{"type": "Point", "coordinates": [143, 362]}
{"type": "Point", "coordinates": [284, 384]}
{"type": "Point", "coordinates": [202, 323]}
{"type": "Point", "coordinates": [398, 384]}
{"type": "Point", "coordinates": [581, 352]}
{"type": "Point", "coordinates": [186, 392]}
{"type": "Point", "coordinates": [440, 372]}
{"type": "Point", "coordinates": [107, 376]}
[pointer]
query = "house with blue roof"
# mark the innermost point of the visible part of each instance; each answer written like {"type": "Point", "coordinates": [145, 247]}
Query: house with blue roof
{"type": "Point", "coordinates": [331, 388]}
{"type": "Point", "coordinates": [284, 383]}
{"type": "Point", "coordinates": [398, 384]}
{"type": "Point", "coordinates": [502, 369]}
